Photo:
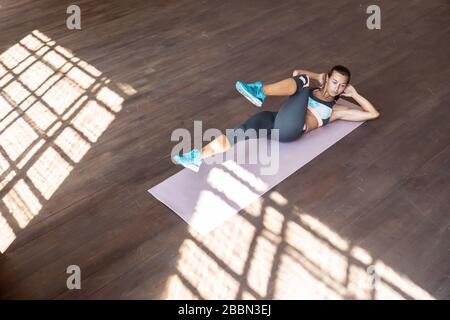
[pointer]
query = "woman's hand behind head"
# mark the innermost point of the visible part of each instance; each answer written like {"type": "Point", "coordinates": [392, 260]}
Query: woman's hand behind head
{"type": "Point", "coordinates": [349, 91]}
{"type": "Point", "coordinates": [322, 79]}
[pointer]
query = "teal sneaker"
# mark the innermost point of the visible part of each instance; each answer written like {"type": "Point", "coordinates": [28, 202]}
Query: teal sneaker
{"type": "Point", "coordinates": [190, 160]}
{"type": "Point", "coordinates": [252, 91]}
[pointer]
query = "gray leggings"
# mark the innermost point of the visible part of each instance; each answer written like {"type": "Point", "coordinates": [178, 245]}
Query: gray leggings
{"type": "Point", "coordinates": [289, 120]}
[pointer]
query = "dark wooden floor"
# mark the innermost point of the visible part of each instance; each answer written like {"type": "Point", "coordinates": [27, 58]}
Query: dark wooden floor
{"type": "Point", "coordinates": [379, 197]}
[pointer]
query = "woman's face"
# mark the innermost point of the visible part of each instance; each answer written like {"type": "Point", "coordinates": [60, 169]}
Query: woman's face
{"type": "Point", "coordinates": [336, 84]}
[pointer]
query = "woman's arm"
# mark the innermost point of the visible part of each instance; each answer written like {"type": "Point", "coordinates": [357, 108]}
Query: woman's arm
{"type": "Point", "coordinates": [365, 104]}
{"type": "Point", "coordinates": [350, 114]}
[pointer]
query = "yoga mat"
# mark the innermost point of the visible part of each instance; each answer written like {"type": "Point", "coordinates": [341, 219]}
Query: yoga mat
{"type": "Point", "coordinates": [208, 198]}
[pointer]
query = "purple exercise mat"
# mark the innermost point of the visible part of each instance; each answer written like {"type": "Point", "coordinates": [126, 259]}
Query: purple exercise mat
{"type": "Point", "coordinates": [208, 198]}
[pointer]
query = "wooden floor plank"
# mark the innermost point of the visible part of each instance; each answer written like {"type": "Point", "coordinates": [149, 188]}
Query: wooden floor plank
{"type": "Point", "coordinates": [382, 189]}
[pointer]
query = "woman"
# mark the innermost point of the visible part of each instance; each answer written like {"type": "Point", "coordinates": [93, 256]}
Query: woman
{"type": "Point", "coordinates": [309, 106]}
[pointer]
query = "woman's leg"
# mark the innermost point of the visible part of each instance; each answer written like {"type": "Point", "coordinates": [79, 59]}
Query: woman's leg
{"type": "Point", "coordinates": [291, 117]}
{"type": "Point", "coordinates": [289, 120]}
{"type": "Point", "coordinates": [286, 87]}
{"type": "Point", "coordinates": [218, 145]}
{"type": "Point", "coordinates": [261, 120]}
{"type": "Point", "coordinates": [193, 159]}
{"type": "Point", "coordinates": [257, 92]}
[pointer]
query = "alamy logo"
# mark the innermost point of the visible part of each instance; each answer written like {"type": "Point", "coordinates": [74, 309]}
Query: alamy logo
{"type": "Point", "coordinates": [74, 280]}
{"type": "Point", "coordinates": [374, 20]}
{"type": "Point", "coordinates": [74, 20]}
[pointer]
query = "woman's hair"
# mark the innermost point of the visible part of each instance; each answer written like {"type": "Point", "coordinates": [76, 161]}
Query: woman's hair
{"type": "Point", "coordinates": [342, 70]}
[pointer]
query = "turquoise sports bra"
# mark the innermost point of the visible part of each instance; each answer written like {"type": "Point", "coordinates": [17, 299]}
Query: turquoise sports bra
{"type": "Point", "coordinates": [320, 109]}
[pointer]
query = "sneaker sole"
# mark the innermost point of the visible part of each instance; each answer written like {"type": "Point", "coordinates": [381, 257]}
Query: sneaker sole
{"type": "Point", "coordinates": [240, 88]}
{"type": "Point", "coordinates": [189, 166]}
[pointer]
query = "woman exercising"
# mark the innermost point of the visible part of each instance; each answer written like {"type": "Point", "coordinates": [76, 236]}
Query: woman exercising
{"type": "Point", "coordinates": [311, 104]}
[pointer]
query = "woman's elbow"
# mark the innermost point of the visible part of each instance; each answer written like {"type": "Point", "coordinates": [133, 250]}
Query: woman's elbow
{"type": "Point", "coordinates": [375, 115]}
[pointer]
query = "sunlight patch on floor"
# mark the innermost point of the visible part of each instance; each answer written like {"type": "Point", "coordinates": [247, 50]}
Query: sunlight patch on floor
{"type": "Point", "coordinates": [53, 107]}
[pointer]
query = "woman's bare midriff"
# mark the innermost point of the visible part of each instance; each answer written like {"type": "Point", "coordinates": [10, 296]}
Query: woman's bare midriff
{"type": "Point", "coordinates": [311, 121]}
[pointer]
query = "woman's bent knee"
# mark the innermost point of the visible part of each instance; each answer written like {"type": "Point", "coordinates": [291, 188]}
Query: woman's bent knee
{"type": "Point", "coordinates": [289, 136]}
